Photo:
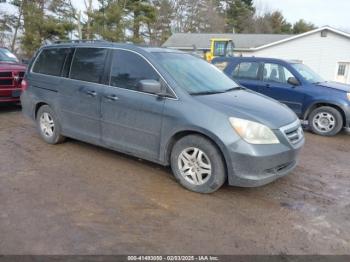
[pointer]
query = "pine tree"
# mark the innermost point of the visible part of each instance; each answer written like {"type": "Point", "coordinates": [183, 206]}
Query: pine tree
{"type": "Point", "coordinates": [142, 13]}
{"type": "Point", "coordinates": [239, 15]}
{"type": "Point", "coordinates": [278, 23]}
{"type": "Point", "coordinates": [108, 22]}
{"type": "Point", "coordinates": [45, 21]}
{"type": "Point", "coordinates": [302, 26]}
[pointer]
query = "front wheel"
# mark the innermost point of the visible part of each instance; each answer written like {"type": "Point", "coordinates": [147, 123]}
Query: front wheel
{"type": "Point", "coordinates": [326, 121]}
{"type": "Point", "coordinates": [197, 164]}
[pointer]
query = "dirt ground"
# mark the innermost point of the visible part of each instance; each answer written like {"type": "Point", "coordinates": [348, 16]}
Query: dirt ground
{"type": "Point", "coordinates": [76, 198]}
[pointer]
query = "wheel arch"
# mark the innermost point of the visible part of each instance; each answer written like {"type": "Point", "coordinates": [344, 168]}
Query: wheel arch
{"type": "Point", "coordinates": [329, 104]}
{"type": "Point", "coordinates": [37, 107]}
{"type": "Point", "coordinates": [180, 134]}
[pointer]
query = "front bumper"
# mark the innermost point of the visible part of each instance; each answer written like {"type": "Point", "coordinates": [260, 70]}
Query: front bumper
{"type": "Point", "coordinates": [257, 165]}
{"type": "Point", "coordinates": [10, 95]}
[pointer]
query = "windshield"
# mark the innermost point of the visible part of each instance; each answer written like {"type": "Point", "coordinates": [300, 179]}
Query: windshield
{"type": "Point", "coordinates": [7, 56]}
{"type": "Point", "coordinates": [309, 75]}
{"type": "Point", "coordinates": [195, 75]}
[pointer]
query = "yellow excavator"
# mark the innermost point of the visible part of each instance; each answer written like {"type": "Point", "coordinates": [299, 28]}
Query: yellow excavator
{"type": "Point", "coordinates": [219, 47]}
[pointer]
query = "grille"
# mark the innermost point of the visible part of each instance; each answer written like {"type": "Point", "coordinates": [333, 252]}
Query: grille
{"type": "Point", "coordinates": [5, 74]}
{"type": "Point", "coordinates": [12, 79]}
{"type": "Point", "coordinates": [5, 82]}
{"type": "Point", "coordinates": [293, 132]}
{"type": "Point", "coordinates": [295, 136]}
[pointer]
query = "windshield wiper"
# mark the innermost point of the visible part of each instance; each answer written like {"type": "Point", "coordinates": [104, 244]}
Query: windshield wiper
{"type": "Point", "coordinates": [206, 93]}
{"type": "Point", "coordinates": [216, 92]}
{"type": "Point", "coordinates": [233, 89]}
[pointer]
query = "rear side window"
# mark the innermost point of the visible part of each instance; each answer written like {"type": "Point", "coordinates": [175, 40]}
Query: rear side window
{"type": "Point", "coordinates": [88, 64]}
{"type": "Point", "coordinates": [276, 73]}
{"type": "Point", "coordinates": [51, 61]}
{"type": "Point", "coordinates": [129, 68]}
{"type": "Point", "coordinates": [247, 70]}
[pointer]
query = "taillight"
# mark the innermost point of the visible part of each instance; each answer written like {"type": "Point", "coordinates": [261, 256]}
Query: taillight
{"type": "Point", "coordinates": [24, 85]}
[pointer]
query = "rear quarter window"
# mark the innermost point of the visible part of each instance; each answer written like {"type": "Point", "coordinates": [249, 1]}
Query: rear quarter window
{"type": "Point", "coordinates": [246, 70]}
{"type": "Point", "coordinates": [51, 61]}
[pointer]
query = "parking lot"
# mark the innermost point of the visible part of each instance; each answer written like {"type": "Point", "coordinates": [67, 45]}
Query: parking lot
{"type": "Point", "coordinates": [76, 198]}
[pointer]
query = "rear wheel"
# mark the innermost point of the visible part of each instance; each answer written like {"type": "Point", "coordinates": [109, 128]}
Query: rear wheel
{"type": "Point", "coordinates": [326, 121]}
{"type": "Point", "coordinates": [49, 126]}
{"type": "Point", "coordinates": [197, 164]}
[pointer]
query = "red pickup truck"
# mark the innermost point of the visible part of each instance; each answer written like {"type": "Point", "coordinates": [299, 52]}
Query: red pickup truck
{"type": "Point", "coordinates": [11, 75]}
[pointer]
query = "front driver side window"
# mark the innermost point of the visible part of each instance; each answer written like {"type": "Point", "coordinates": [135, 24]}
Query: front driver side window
{"type": "Point", "coordinates": [276, 73]}
{"type": "Point", "coordinates": [128, 69]}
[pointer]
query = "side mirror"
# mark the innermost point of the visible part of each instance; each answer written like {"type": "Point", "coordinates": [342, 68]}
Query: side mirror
{"type": "Point", "coordinates": [293, 81]}
{"type": "Point", "coordinates": [150, 86]}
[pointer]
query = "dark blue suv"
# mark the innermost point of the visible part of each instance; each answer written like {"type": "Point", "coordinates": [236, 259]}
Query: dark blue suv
{"type": "Point", "coordinates": [325, 106]}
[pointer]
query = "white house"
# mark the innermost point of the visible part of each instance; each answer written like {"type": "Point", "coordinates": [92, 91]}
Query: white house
{"type": "Point", "coordinates": [326, 50]}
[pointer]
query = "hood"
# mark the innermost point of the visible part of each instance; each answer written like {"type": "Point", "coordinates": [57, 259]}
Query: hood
{"type": "Point", "coordinates": [335, 85]}
{"type": "Point", "coordinates": [11, 66]}
{"type": "Point", "coordinates": [251, 106]}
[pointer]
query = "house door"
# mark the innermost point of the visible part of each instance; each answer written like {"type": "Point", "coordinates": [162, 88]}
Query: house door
{"type": "Point", "coordinates": [343, 73]}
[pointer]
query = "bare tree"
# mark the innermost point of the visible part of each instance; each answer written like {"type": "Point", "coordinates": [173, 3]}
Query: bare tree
{"type": "Point", "coordinates": [89, 9]}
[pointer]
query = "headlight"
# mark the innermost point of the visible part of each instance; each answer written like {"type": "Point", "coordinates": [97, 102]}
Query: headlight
{"type": "Point", "coordinates": [348, 94]}
{"type": "Point", "coordinates": [253, 132]}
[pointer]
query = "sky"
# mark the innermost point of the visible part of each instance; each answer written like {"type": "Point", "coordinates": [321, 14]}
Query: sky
{"type": "Point", "coordinates": [334, 13]}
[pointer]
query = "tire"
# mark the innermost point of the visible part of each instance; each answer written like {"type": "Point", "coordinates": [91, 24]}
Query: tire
{"type": "Point", "coordinates": [47, 120]}
{"type": "Point", "coordinates": [199, 154]}
{"type": "Point", "coordinates": [325, 121]}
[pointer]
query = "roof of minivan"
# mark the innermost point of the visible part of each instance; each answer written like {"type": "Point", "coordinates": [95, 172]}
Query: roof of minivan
{"type": "Point", "coordinates": [106, 44]}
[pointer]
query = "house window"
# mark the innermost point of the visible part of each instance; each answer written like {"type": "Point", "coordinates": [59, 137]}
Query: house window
{"type": "Point", "coordinates": [341, 70]}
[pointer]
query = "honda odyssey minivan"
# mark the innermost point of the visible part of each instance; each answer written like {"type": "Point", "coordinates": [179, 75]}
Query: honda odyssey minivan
{"type": "Point", "coordinates": [164, 106]}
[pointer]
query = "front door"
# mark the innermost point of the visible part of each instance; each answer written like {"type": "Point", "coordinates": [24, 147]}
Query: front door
{"type": "Point", "coordinates": [131, 120]}
{"type": "Point", "coordinates": [275, 79]}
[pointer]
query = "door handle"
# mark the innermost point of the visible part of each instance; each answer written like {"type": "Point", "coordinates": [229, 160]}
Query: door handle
{"type": "Point", "coordinates": [112, 97]}
{"type": "Point", "coordinates": [91, 93]}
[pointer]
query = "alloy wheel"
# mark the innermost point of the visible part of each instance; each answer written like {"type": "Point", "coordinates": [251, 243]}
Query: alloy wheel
{"type": "Point", "coordinates": [194, 166]}
{"type": "Point", "coordinates": [47, 124]}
